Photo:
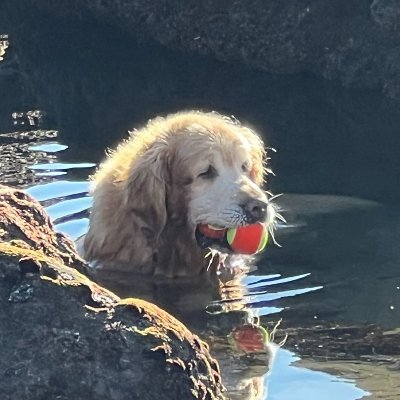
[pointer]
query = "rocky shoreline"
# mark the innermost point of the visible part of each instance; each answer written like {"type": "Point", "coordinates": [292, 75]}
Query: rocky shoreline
{"type": "Point", "coordinates": [65, 337]}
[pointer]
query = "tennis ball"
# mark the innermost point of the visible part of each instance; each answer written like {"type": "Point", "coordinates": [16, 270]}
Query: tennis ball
{"type": "Point", "coordinates": [248, 239]}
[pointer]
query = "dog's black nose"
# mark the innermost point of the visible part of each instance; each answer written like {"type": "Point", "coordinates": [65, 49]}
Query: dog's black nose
{"type": "Point", "coordinates": [256, 210]}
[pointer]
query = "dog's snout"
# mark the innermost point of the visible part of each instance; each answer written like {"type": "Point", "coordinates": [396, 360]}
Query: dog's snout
{"type": "Point", "coordinates": [256, 210]}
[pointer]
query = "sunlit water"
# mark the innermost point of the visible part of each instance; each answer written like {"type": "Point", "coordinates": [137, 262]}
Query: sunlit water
{"type": "Point", "coordinates": [337, 165]}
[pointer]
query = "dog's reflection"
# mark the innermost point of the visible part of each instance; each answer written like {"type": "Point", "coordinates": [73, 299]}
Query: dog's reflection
{"type": "Point", "coordinates": [214, 309]}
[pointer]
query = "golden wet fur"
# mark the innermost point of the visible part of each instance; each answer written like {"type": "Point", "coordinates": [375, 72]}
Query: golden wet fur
{"type": "Point", "coordinates": [151, 192]}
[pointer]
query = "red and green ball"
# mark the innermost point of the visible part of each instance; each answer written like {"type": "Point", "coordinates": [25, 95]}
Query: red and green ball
{"type": "Point", "coordinates": [248, 239]}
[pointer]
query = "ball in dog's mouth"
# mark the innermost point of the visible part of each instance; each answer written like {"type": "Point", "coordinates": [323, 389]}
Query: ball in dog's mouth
{"type": "Point", "coordinates": [210, 236]}
{"type": "Point", "coordinates": [247, 239]}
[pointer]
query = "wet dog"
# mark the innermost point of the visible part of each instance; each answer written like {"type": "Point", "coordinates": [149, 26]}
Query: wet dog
{"type": "Point", "coordinates": [186, 171]}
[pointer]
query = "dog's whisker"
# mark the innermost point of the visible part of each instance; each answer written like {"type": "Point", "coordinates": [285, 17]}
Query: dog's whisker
{"type": "Point", "coordinates": [269, 171]}
{"type": "Point", "coordinates": [213, 253]}
{"type": "Point", "coordinates": [280, 217]}
{"type": "Point", "coordinates": [271, 230]}
{"type": "Point", "coordinates": [230, 213]}
{"type": "Point", "coordinates": [274, 196]}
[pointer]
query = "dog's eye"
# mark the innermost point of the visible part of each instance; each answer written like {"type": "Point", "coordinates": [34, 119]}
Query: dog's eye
{"type": "Point", "coordinates": [246, 166]}
{"type": "Point", "coordinates": [209, 174]}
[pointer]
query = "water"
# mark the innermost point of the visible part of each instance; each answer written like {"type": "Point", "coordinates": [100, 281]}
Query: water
{"type": "Point", "coordinates": [65, 101]}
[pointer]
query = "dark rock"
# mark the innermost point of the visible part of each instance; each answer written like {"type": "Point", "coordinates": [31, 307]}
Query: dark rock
{"type": "Point", "coordinates": [65, 337]}
{"type": "Point", "coordinates": [354, 42]}
{"type": "Point", "coordinates": [386, 13]}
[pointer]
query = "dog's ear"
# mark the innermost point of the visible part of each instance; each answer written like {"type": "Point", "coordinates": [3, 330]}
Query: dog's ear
{"type": "Point", "coordinates": [146, 192]}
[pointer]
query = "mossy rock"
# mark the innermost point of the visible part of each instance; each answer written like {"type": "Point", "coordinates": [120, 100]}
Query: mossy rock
{"type": "Point", "coordinates": [65, 337]}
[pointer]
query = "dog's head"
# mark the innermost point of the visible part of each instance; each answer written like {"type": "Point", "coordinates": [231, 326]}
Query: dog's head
{"type": "Point", "coordinates": [224, 165]}
{"type": "Point", "coordinates": [185, 171]}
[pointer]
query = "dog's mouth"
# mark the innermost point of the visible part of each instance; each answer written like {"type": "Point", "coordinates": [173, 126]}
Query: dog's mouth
{"type": "Point", "coordinates": [210, 236]}
{"type": "Point", "coordinates": [247, 238]}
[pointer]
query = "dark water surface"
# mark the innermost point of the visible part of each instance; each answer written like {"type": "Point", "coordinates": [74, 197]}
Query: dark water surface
{"type": "Point", "coordinates": [69, 90]}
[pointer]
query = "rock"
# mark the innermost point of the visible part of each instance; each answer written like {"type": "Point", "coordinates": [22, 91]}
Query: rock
{"type": "Point", "coordinates": [356, 43]}
{"type": "Point", "coordinates": [25, 227]}
{"type": "Point", "coordinates": [386, 13]}
{"type": "Point", "coordinates": [65, 337]}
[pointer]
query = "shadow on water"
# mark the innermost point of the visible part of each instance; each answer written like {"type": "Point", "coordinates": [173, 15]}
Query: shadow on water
{"type": "Point", "coordinates": [337, 164]}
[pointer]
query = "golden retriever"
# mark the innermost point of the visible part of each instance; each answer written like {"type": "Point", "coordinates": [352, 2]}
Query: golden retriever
{"type": "Point", "coordinates": [180, 172]}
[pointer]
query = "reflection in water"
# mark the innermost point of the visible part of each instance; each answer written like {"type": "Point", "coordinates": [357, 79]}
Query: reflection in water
{"type": "Point", "coordinates": [244, 374]}
{"type": "Point", "coordinates": [290, 382]}
{"type": "Point", "coordinates": [56, 191]}
{"type": "Point", "coordinates": [60, 166]}
{"type": "Point", "coordinates": [16, 158]}
{"type": "Point", "coordinates": [67, 203]}
{"type": "Point", "coordinates": [253, 293]}
{"type": "Point", "coordinates": [49, 147]}
{"type": "Point", "coordinates": [28, 118]}
{"type": "Point", "coordinates": [4, 43]}
{"type": "Point", "coordinates": [351, 248]}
